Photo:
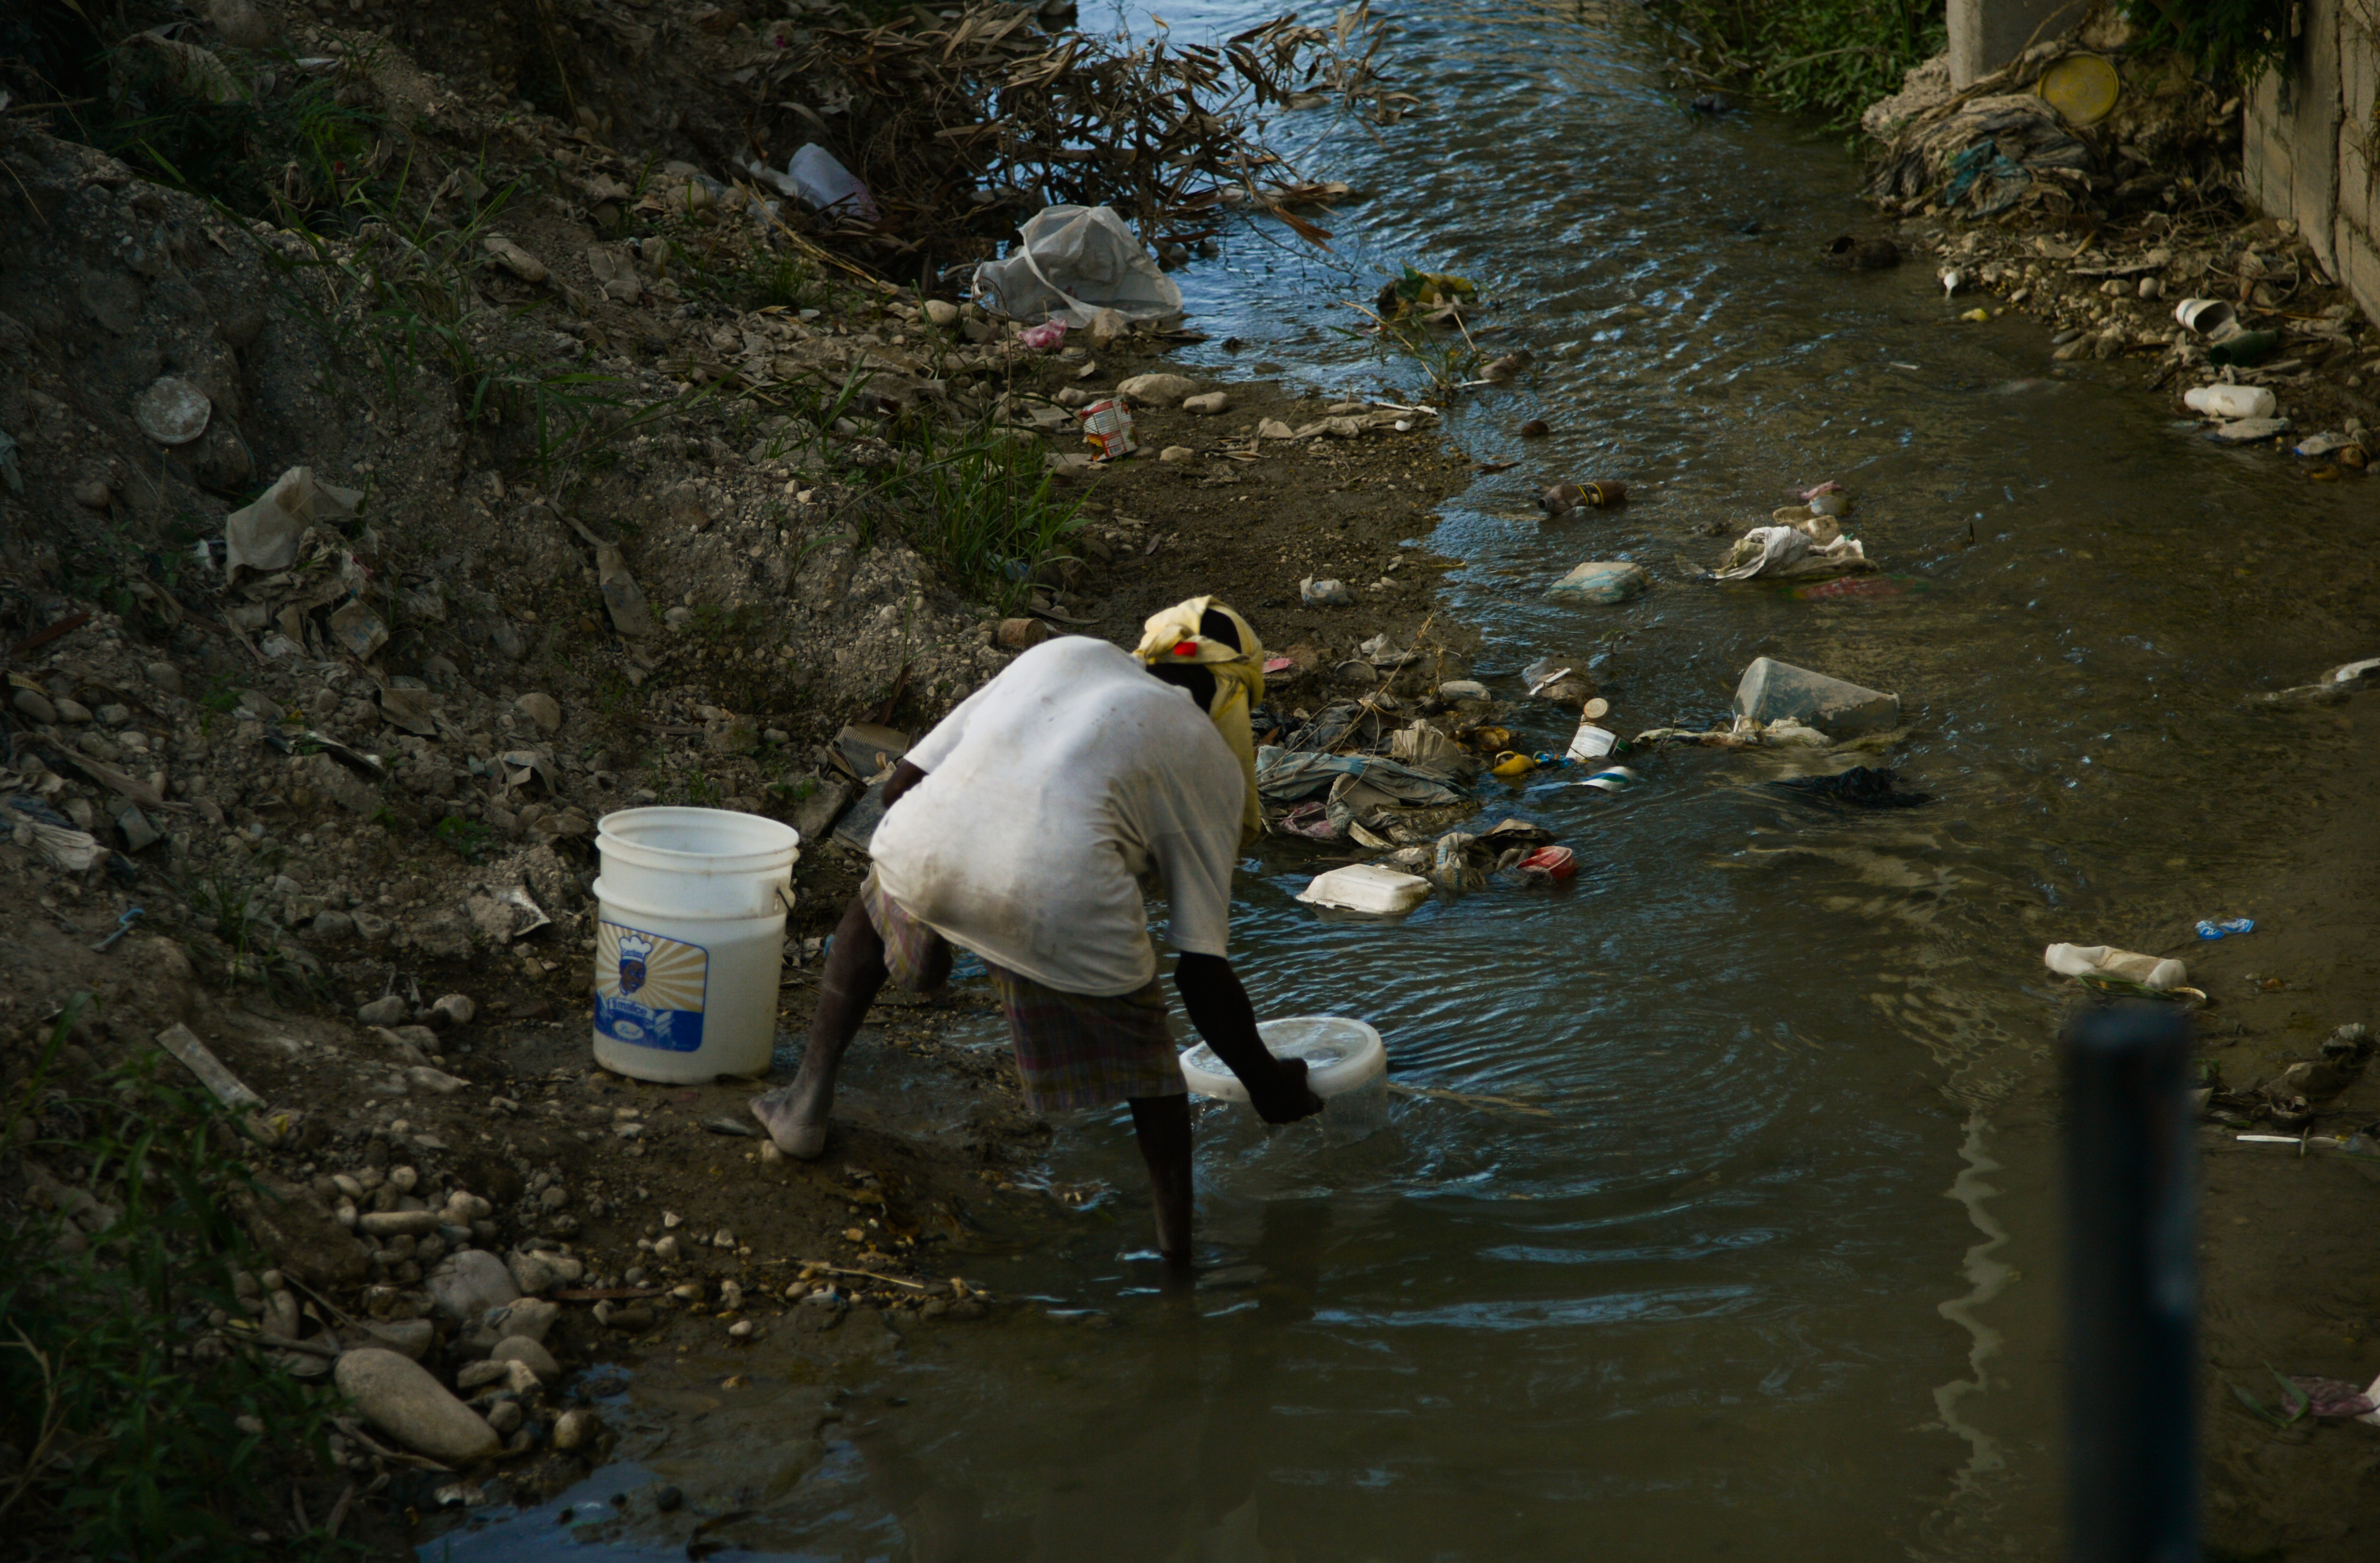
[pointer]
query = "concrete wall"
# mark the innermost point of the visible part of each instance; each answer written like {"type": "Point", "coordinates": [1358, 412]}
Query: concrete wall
{"type": "Point", "coordinates": [1986, 35]}
{"type": "Point", "coordinates": [2309, 138]}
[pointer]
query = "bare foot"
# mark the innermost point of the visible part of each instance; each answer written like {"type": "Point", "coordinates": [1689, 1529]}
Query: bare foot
{"type": "Point", "coordinates": [799, 1134]}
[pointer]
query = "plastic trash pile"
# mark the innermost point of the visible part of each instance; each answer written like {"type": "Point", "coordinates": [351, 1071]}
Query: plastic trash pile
{"type": "Point", "coordinates": [1396, 772]}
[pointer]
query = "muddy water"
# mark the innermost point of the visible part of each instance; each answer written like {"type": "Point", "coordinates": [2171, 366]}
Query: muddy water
{"type": "Point", "coordinates": [1735, 1235]}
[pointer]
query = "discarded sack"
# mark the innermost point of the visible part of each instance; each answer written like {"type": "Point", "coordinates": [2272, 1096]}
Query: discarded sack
{"type": "Point", "coordinates": [1287, 775]}
{"type": "Point", "coordinates": [1072, 261]}
{"type": "Point", "coordinates": [1985, 154]}
{"type": "Point", "coordinates": [1794, 552]}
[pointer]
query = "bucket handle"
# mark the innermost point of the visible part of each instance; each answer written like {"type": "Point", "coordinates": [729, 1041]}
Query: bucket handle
{"type": "Point", "coordinates": [786, 898]}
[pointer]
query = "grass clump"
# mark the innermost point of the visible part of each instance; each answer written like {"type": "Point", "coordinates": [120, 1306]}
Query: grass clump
{"type": "Point", "coordinates": [138, 1423]}
{"type": "Point", "coordinates": [984, 506]}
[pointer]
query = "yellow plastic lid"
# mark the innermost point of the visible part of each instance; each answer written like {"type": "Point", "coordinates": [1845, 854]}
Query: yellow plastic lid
{"type": "Point", "coordinates": [2082, 88]}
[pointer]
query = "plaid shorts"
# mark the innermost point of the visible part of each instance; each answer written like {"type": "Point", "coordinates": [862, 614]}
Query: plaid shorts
{"type": "Point", "coordinates": [1073, 1050]}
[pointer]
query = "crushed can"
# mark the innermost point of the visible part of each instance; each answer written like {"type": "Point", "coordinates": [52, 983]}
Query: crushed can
{"type": "Point", "coordinates": [1107, 426]}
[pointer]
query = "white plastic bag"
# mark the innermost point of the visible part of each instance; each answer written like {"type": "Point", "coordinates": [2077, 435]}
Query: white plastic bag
{"type": "Point", "coordinates": [815, 179]}
{"type": "Point", "coordinates": [1069, 264]}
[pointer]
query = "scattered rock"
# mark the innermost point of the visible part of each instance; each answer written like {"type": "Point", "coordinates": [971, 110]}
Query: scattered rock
{"type": "Point", "coordinates": [398, 1396]}
{"type": "Point", "coordinates": [1177, 454]}
{"type": "Point", "coordinates": [543, 710]}
{"type": "Point", "coordinates": [531, 1353]}
{"type": "Point", "coordinates": [171, 411]}
{"type": "Point", "coordinates": [537, 1272]}
{"type": "Point", "coordinates": [527, 1318]}
{"type": "Point", "coordinates": [35, 706]}
{"type": "Point", "coordinates": [1157, 389]}
{"type": "Point", "coordinates": [516, 259]}
{"type": "Point", "coordinates": [941, 312]}
{"type": "Point", "coordinates": [1209, 404]}
{"type": "Point", "coordinates": [454, 1008]}
{"type": "Point", "coordinates": [164, 676]}
{"type": "Point", "coordinates": [465, 1285]}
{"type": "Point", "coordinates": [387, 1010]}
{"type": "Point", "coordinates": [580, 1426]}
{"type": "Point", "coordinates": [1274, 429]}
{"type": "Point", "coordinates": [293, 1225]}
{"type": "Point", "coordinates": [1317, 593]}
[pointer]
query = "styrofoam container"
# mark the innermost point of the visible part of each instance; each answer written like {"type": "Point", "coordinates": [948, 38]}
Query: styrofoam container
{"type": "Point", "coordinates": [1346, 1065]}
{"type": "Point", "coordinates": [1366, 886]}
{"type": "Point", "coordinates": [691, 938]}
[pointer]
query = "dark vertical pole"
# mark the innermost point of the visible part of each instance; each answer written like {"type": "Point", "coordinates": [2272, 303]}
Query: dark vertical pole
{"type": "Point", "coordinates": [2132, 1287]}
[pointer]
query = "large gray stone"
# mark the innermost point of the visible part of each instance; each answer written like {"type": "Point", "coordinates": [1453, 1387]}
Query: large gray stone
{"type": "Point", "coordinates": [1771, 689]}
{"type": "Point", "coordinates": [521, 1348]}
{"type": "Point", "coordinates": [399, 1396]}
{"type": "Point", "coordinates": [467, 1284]}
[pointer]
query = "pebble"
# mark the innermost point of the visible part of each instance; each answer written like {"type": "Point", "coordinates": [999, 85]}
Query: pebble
{"type": "Point", "coordinates": [35, 706]}
{"type": "Point", "coordinates": [72, 712]}
{"type": "Point", "coordinates": [504, 1416]}
{"type": "Point", "coordinates": [577, 1427]}
{"type": "Point", "coordinates": [398, 1396]}
{"type": "Point", "coordinates": [543, 710]}
{"type": "Point", "coordinates": [534, 1272]}
{"type": "Point", "coordinates": [941, 312]}
{"type": "Point", "coordinates": [1209, 404]}
{"type": "Point", "coordinates": [1177, 454]}
{"type": "Point", "coordinates": [531, 1353]}
{"type": "Point", "coordinates": [666, 1249]}
{"type": "Point", "coordinates": [722, 1237]}
{"type": "Point", "coordinates": [467, 1284]}
{"type": "Point", "coordinates": [165, 676]}
{"type": "Point", "coordinates": [455, 1008]}
{"type": "Point", "coordinates": [397, 1223]}
{"type": "Point", "coordinates": [386, 1010]}
{"type": "Point", "coordinates": [1157, 389]}
{"type": "Point", "coordinates": [437, 1081]}
{"type": "Point", "coordinates": [742, 1329]}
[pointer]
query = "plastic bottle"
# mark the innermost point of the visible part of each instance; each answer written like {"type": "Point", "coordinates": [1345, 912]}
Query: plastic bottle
{"type": "Point", "coordinates": [2230, 401]}
{"type": "Point", "coordinates": [2105, 963]}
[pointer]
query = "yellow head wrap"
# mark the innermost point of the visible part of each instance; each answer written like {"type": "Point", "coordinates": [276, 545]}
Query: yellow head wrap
{"type": "Point", "coordinates": [1174, 637]}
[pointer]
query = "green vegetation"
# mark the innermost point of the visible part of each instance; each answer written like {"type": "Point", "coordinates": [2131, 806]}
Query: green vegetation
{"type": "Point", "coordinates": [1831, 58]}
{"type": "Point", "coordinates": [145, 1427]}
{"type": "Point", "coordinates": [2239, 38]}
{"type": "Point", "coordinates": [983, 506]}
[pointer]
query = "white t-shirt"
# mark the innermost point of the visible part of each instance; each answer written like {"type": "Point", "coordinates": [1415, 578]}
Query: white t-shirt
{"type": "Point", "coordinates": [1048, 794]}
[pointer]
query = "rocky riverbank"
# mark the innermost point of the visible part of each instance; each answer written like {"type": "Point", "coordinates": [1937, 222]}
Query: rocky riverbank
{"type": "Point", "coordinates": [587, 490]}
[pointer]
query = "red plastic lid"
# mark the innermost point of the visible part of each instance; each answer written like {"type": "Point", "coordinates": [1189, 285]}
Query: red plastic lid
{"type": "Point", "coordinates": [1556, 862]}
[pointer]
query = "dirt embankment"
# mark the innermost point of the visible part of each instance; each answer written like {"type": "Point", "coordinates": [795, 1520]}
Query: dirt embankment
{"type": "Point", "coordinates": [609, 511]}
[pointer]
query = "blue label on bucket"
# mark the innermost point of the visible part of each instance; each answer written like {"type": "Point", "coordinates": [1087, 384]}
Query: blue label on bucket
{"type": "Point", "coordinates": [648, 989]}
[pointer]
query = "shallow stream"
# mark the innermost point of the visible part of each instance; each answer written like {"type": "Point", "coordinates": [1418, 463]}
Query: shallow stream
{"type": "Point", "coordinates": [1736, 1237]}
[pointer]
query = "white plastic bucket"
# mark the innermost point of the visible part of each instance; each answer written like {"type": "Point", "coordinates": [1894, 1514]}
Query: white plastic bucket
{"type": "Point", "coordinates": [690, 937]}
{"type": "Point", "coordinates": [1346, 1065]}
